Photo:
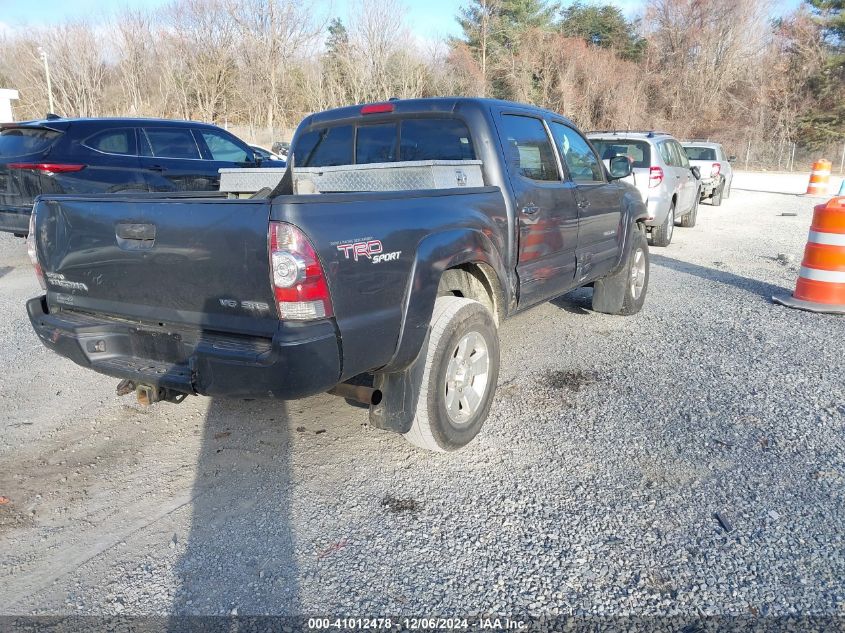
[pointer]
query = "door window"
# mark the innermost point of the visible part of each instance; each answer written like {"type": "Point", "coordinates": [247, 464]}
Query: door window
{"type": "Point", "coordinates": [528, 150]}
{"type": "Point", "coordinates": [581, 161]}
{"type": "Point", "coordinates": [172, 142]}
{"type": "Point", "coordinates": [223, 148]}
{"type": "Point", "coordinates": [680, 155]}
{"type": "Point", "coordinates": [666, 154]}
{"type": "Point", "coordinates": [121, 141]}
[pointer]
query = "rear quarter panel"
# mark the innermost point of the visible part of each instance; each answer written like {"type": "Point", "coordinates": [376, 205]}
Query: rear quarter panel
{"type": "Point", "coordinates": [371, 284]}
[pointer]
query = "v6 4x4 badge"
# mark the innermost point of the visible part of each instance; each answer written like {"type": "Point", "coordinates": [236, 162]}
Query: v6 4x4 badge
{"type": "Point", "coordinates": [371, 249]}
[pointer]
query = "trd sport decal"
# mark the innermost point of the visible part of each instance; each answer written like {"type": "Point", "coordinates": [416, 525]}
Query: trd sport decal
{"type": "Point", "coordinates": [371, 249]}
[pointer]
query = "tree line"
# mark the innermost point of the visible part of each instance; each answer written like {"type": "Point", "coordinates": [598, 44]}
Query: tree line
{"type": "Point", "coordinates": [721, 69]}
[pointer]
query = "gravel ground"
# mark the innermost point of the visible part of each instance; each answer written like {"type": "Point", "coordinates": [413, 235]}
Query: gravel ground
{"type": "Point", "coordinates": [594, 487]}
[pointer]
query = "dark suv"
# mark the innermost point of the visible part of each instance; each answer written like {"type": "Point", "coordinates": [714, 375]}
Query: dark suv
{"type": "Point", "coordinates": [58, 155]}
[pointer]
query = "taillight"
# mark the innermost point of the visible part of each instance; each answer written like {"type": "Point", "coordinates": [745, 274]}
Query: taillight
{"type": "Point", "coordinates": [299, 283]}
{"type": "Point", "coordinates": [377, 108]}
{"type": "Point", "coordinates": [715, 169]}
{"type": "Point", "coordinates": [655, 177]}
{"type": "Point", "coordinates": [33, 254]}
{"type": "Point", "coordinates": [50, 168]}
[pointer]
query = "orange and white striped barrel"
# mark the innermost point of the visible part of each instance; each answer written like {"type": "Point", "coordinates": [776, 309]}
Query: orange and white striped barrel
{"type": "Point", "coordinates": [819, 178]}
{"type": "Point", "coordinates": [821, 280]}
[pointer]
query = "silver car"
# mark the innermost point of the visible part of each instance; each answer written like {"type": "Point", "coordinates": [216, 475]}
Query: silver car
{"type": "Point", "coordinates": [662, 174]}
{"type": "Point", "coordinates": [717, 174]}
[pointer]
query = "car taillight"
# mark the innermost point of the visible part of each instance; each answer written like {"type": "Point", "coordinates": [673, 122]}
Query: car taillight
{"type": "Point", "coordinates": [50, 168]}
{"type": "Point", "coordinates": [655, 177]}
{"type": "Point", "coordinates": [33, 254]}
{"type": "Point", "coordinates": [299, 283]}
{"type": "Point", "coordinates": [715, 169]}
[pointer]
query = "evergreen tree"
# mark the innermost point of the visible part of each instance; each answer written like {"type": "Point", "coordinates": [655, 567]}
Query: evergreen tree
{"type": "Point", "coordinates": [338, 38]}
{"type": "Point", "coordinates": [826, 123]}
{"type": "Point", "coordinates": [602, 25]}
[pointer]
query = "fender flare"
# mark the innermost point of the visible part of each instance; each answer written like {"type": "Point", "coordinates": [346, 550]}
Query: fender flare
{"type": "Point", "coordinates": [436, 253]}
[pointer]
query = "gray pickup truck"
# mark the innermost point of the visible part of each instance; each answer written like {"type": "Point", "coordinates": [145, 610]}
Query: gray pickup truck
{"type": "Point", "coordinates": [386, 294]}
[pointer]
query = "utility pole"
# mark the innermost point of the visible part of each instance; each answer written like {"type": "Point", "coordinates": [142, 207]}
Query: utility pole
{"type": "Point", "coordinates": [43, 55]}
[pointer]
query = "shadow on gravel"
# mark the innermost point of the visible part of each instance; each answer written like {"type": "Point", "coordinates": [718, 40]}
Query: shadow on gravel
{"type": "Point", "coordinates": [753, 286]}
{"type": "Point", "coordinates": [240, 547]}
{"type": "Point", "coordinates": [578, 301]}
{"type": "Point", "coordinates": [5, 270]}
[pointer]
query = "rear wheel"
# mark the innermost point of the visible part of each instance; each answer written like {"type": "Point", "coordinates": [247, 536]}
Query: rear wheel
{"type": "Point", "coordinates": [459, 380]}
{"type": "Point", "coordinates": [662, 235]}
{"type": "Point", "coordinates": [688, 221]}
{"type": "Point", "coordinates": [624, 292]}
{"type": "Point", "coordinates": [727, 193]}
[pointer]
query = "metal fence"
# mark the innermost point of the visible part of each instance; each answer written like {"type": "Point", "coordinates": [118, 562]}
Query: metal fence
{"type": "Point", "coordinates": [786, 157]}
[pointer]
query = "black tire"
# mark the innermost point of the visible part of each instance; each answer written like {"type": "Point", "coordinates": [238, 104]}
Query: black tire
{"type": "Point", "coordinates": [688, 221]}
{"type": "Point", "coordinates": [434, 427]}
{"type": "Point", "coordinates": [727, 193]}
{"type": "Point", "coordinates": [662, 235]}
{"type": "Point", "coordinates": [716, 198]}
{"type": "Point", "coordinates": [615, 294]}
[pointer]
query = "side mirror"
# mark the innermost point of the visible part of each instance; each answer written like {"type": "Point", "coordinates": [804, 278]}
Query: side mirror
{"type": "Point", "coordinates": [696, 172]}
{"type": "Point", "coordinates": [620, 167]}
{"type": "Point", "coordinates": [731, 159]}
{"type": "Point", "coordinates": [257, 159]}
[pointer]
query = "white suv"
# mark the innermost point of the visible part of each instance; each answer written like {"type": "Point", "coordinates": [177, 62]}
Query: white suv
{"type": "Point", "coordinates": [717, 175]}
{"type": "Point", "coordinates": [662, 174]}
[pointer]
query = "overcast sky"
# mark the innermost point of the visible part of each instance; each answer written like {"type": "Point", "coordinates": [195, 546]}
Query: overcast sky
{"type": "Point", "coordinates": [428, 19]}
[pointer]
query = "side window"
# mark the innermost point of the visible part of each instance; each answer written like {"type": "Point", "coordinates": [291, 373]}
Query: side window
{"type": "Point", "coordinates": [435, 139]}
{"type": "Point", "coordinates": [580, 159]}
{"type": "Point", "coordinates": [325, 147]}
{"type": "Point", "coordinates": [683, 160]}
{"type": "Point", "coordinates": [666, 153]}
{"type": "Point", "coordinates": [173, 142]}
{"type": "Point", "coordinates": [119, 141]}
{"type": "Point", "coordinates": [223, 148]}
{"type": "Point", "coordinates": [376, 143]}
{"type": "Point", "coordinates": [528, 150]}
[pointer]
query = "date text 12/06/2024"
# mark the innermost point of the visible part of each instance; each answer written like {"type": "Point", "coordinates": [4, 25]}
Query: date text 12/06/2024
{"type": "Point", "coordinates": [418, 624]}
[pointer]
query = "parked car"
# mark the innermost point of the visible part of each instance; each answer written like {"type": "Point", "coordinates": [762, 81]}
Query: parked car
{"type": "Point", "coordinates": [663, 174]}
{"type": "Point", "coordinates": [715, 166]}
{"type": "Point", "coordinates": [80, 156]}
{"type": "Point", "coordinates": [383, 282]}
{"type": "Point", "coordinates": [272, 159]}
{"type": "Point", "coordinates": [282, 148]}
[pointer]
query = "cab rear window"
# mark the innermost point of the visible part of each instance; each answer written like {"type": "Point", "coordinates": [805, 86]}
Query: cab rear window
{"type": "Point", "coordinates": [19, 141]}
{"type": "Point", "coordinates": [639, 151]}
{"type": "Point", "coordinates": [430, 138]}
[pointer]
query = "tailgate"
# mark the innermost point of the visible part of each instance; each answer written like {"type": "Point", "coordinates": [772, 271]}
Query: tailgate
{"type": "Point", "coordinates": [197, 262]}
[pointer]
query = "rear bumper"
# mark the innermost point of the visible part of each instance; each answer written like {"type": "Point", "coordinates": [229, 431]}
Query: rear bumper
{"type": "Point", "coordinates": [15, 219]}
{"type": "Point", "coordinates": [299, 361]}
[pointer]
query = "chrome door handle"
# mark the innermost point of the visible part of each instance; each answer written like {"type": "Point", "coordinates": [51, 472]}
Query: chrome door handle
{"type": "Point", "coordinates": [530, 208]}
{"type": "Point", "coordinates": [583, 204]}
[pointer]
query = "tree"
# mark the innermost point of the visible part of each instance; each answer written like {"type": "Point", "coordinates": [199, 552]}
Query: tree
{"type": "Point", "coordinates": [602, 25]}
{"type": "Point", "coordinates": [825, 123]}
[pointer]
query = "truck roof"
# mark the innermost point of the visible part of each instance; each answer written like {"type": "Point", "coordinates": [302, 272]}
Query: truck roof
{"type": "Point", "coordinates": [427, 105]}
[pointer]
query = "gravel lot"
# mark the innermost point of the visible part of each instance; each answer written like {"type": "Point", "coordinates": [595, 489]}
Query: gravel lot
{"type": "Point", "coordinates": [593, 488]}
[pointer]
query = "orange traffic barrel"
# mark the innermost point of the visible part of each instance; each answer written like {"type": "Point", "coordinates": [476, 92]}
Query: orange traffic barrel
{"type": "Point", "coordinates": [819, 178]}
{"type": "Point", "coordinates": [821, 280]}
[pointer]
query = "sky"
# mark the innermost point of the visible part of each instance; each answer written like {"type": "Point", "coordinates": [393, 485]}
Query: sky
{"type": "Point", "coordinates": [427, 19]}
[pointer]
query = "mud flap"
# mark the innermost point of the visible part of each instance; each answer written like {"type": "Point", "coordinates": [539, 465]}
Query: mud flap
{"type": "Point", "coordinates": [400, 393]}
